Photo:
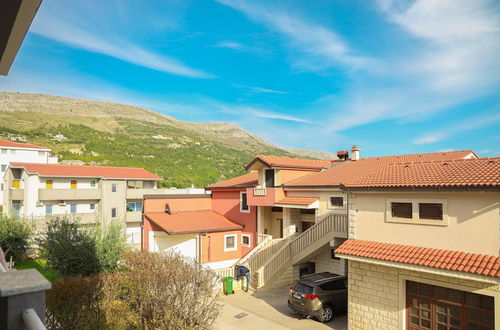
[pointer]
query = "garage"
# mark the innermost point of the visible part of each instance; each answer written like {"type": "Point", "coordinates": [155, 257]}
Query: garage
{"type": "Point", "coordinates": [439, 308]}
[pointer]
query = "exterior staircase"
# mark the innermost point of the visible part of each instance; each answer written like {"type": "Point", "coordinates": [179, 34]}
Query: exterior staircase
{"type": "Point", "coordinates": [298, 248]}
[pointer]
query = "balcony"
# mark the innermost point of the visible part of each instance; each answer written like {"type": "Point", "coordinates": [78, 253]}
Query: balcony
{"type": "Point", "coordinates": [82, 218]}
{"type": "Point", "coordinates": [68, 194]}
{"type": "Point", "coordinates": [133, 217]}
{"type": "Point", "coordinates": [17, 194]}
{"type": "Point", "coordinates": [139, 193]}
{"type": "Point", "coordinates": [264, 196]}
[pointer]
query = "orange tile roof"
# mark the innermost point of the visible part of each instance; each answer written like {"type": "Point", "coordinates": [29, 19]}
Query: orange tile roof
{"type": "Point", "coordinates": [109, 172]}
{"type": "Point", "coordinates": [297, 200]}
{"type": "Point", "coordinates": [435, 169]}
{"type": "Point", "coordinates": [243, 181]}
{"type": "Point", "coordinates": [192, 222]}
{"type": "Point", "coordinates": [11, 144]}
{"type": "Point", "coordinates": [275, 161]}
{"type": "Point", "coordinates": [429, 257]}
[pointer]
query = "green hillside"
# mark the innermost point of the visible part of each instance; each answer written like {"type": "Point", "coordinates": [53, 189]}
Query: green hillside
{"type": "Point", "coordinates": [103, 133]}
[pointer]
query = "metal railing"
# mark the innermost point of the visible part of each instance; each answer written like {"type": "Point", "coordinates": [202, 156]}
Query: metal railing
{"type": "Point", "coordinates": [32, 321]}
{"type": "Point", "coordinates": [259, 191]}
{"type": "Point", "coordinates": [328, 224]}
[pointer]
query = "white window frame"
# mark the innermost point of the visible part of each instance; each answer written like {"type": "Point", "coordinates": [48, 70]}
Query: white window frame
{"type": "Point", "coordinates": [241, 202]}
{"type": "Point", "coordinates": [228, 249]}
{"type": "Point", "coordinates": [114, 187]}
{"type": "Point", "coordinates": [249, 240]}
{"type": "Point", "coordinates": [415, 220]}
{"type": "Point", "coordinates": [116, 213]}
{"type": "Point", "coordinates": [334, 207]}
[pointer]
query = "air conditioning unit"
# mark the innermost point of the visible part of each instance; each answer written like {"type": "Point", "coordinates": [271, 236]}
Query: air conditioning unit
{"type": "Point", "coordinates": [39, 204]}
{"type": "Point", "coordinates": [62, 203]}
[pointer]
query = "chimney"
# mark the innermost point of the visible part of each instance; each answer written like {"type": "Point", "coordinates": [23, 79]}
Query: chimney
{"type": "Point", "coordinates": [355, 152]}
{"type": "Point", "coordinates": [342, 155]}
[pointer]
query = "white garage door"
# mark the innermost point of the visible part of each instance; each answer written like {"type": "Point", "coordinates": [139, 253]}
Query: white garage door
{"type": "Point", "coordinates": [183, 244]}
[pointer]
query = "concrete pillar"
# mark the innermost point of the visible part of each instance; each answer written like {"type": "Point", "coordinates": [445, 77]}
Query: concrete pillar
{"type": "Point", "coordinates": [19, 291]}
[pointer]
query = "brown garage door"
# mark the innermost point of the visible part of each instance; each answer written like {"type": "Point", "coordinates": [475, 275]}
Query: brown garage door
{"type": "Point", "coordinates": [437, 308]}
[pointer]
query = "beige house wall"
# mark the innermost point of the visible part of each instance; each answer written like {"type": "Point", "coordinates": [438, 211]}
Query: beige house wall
{"type": "Point", "coordinates": [324, 197]}
{"type": "Point", "coordinates": [470, 218]}
{"type": "Point", "coordinates": [376, 294]}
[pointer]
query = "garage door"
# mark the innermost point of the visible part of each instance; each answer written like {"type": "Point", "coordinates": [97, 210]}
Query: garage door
{"type": "Point", "coordinates": [438, 308]}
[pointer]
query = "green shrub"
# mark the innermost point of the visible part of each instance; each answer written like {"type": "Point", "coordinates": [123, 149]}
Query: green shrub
{"type": "Point", "coordinates": [15, 235]}
{"type": "Point", "coordinates": [69, 249]}
{"type": "Point", "coordinates": [110, 244]}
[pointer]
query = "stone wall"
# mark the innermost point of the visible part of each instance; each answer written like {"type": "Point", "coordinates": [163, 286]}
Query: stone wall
{"type": "Point", "coordinates": [374, 294]}
{"type": "Point", "coordinates": [324, 262]}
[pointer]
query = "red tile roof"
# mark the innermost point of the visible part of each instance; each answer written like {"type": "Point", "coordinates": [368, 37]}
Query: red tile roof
{"type": "Point", "coordinates": [426, 170]}
{"type": "Point", "coordinates": [10, 144]}
{"type": "Point", "coordinates": [192, 222]}
{"type": "Point", "coordinates": [297, 200]}
{"type": "Point", "coordinates": [435, 258]}
{"type": "Point", "coordinates": [243, 181]}
{"type": "Point", "coordinates": [285, 162]}
{"type": "Point", "coordinates": [109, 172]}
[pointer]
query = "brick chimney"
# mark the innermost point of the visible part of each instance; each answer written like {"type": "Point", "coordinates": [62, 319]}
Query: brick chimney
{"type": "Point", "coordinates": [355, 152]}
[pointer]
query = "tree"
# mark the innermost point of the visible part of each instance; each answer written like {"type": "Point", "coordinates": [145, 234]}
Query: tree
{"type": "Point", "coordinates": [15, 235]}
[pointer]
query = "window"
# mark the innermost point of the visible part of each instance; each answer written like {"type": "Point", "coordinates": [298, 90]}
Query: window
{"type": "Point", "coordinates": [4, 168]}
{"type": "Point", "coordinates": [230, 242]}
{"type": "Point", "coordinates": [48, 209]}
{"type": "Point", "coordinates": [131, 184]}
{"type": "Point", "coordinates": [134, 206]}
{"type": "Point", "coordinates": [114, 187]}
{"type": "Point", "coordinates": [337, 201]}
{"type": "Point", "coordinates": [114, 213]}
{"type": "Point", "coordinates": [48, 184]}
{"type": "Point", "coordinates": [433, 211]}
{"type": "Point", "coordinates": [73, 184]}
{"type": "Point", "coordinates": [401, 210]}
{"type": "Point", "coordinates": [245, 240]}
{"type": "Point", "coordinates": [16, 184]}
{"type": "Point", "coordinates": [244, 207]}
{"type": "Point", "coordinates": [72, 208]}
{"type": "Point", "coordinates": [92, 183]}
{"type": "Point", "coordinates": [333, 285]}
{"type": "Point", "coordinates": [307, 211]}
{"type": "Point", "coordinates": [92, 206]}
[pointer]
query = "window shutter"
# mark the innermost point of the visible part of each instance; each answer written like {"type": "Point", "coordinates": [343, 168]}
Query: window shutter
{"type": "Point", "coordinates": [402, 210]}
{"type": "Point", "coordinates": [432, 211]}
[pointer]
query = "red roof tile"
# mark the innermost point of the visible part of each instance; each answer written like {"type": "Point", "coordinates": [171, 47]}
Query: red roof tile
{"type": "Point", "coordinates": [387, 172]}
{"type": "Point", "coordinates": [429, 257]}
{"type": "Point", "coordinates": [243, 181]}
{"type": "Point", "coordinates": [11, 144]}
{"type": "Point", "coordinates": [192, 222]}
{"type": "Point", "coordinates": [275, 161]}
{"type": "Point", "coordinates": [109, 172]}
{"type": "Point", "coordinates": [297, 200]}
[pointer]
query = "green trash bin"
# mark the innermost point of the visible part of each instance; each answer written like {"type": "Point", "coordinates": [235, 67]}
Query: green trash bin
{"type": "Point", "coordinates": [228, 285]}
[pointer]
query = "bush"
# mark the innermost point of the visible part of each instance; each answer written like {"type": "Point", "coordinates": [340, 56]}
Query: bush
{"type": "Point", "coordinates": [15, 234]}
{"type": "Point", "coordinates": [68, 249]}
{"type": "Point", "coordinates": [76, 251]}
{"type": "Point", "coordinates": [74, 303]}
{"type": "Point", "coordinates": [158, 291]}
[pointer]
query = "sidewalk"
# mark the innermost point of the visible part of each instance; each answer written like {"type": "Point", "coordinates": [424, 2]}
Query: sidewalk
{"type": "Point", "coordinates": [267, 310]}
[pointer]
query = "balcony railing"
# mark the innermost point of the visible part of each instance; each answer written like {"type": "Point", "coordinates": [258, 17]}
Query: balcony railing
{"type": "Point", "coordinates": [17, 194]}
{"type": "Point", "coordinates": [259, 191]}
{"type": "Point", "coordinates": [68, 194]}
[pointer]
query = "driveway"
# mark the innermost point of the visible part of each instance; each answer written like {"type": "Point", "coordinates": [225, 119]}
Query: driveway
{"type": "Point", "coordinates": [267, 310]}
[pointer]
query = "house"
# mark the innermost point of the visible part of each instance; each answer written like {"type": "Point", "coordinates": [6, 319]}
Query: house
{"type": "Point", "coordinates": [21, 152]}
{"type": "Point", "coordinates": [190, 225]}
{"type": "Point", "coordinates": [89, 193]}
{"type": "Point", "coordinates": [303, 205]}
{"type": "Point", "coordinates": [424, 247]}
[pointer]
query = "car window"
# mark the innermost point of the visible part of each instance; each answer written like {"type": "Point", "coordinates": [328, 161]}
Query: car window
{"type": "Point", "coordinates": [333, 285]}
{"type": "Point", "coordinates": [302, 288]}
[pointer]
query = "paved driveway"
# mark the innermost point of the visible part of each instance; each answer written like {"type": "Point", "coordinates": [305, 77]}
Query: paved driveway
{"type": "Point", "coordinates": [267, 310]}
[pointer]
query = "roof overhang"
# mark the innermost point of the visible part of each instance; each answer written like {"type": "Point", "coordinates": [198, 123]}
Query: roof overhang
{"type": "Point", "coordinates": [16, 18]}
{"type": "Point", "coordinates": [313, 205]}
{"type": "Point", "coordinates": [239, 227]}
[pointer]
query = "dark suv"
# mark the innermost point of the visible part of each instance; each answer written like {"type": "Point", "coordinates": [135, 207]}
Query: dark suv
{"type": "Point", "coordinates": [319, 295]}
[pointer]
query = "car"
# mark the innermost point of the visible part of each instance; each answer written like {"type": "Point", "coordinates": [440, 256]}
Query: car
{"type": "Point", "coordinates": [319, 295]}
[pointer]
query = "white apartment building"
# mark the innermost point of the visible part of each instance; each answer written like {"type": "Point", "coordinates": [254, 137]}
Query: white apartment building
{"type": "Point", "coordinates": [87, 193]}
{"type": "Point", "coordinates": [22, 152]}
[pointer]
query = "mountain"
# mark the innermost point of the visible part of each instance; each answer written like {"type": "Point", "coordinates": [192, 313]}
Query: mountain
{"type": "Point", "coordinates": [106, 133]}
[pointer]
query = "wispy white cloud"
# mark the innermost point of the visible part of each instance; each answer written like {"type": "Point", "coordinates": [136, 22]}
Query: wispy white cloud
{"type": "Point", "coordinates": [324, 47]}
{"type": "Point", "coordinates": [65, 25]}
{"type": "Point", "coordinates": [250, 90]}
{"type": "Point", "coordinates": [453, 130]}
{"type": "Point", "coordinates": [229, 44]}
{"type": "Point", "coordinates": [272, 115]}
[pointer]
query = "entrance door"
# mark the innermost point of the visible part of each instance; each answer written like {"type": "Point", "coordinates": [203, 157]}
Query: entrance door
{"type": "Point", "coordinates": [306, 225]}
{"type": "Point", "coordinates": [269, 178]}
{"type": "Point", "coordinates": [436, 308]}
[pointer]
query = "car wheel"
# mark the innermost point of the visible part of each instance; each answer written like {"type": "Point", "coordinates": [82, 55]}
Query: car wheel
{"type": "Point", "coordinates": [326, 314]}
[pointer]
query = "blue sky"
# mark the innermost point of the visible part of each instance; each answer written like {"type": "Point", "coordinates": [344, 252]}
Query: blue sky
{"type": "Point", "coordinates": [391, 76]}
